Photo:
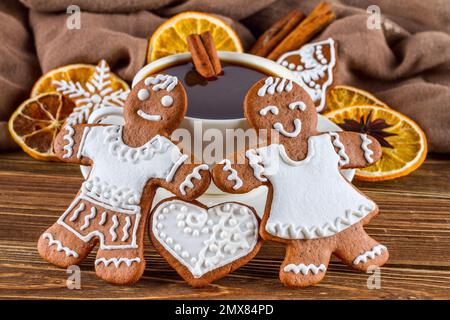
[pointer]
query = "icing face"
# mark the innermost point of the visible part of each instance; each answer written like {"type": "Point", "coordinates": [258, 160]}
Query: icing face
{"type": "Point", "coordinates": [265, 110]}
{"type": "Point", "coordinates": [281, 105]}
{"type": "Point", "coordinates": [159, 101]}
{"type": "Point", "coordinates": [149, 117]}
{"type": "Point", "coordinates": [297, 129]}
{"type": "Point", "coordinates": [313, 66]}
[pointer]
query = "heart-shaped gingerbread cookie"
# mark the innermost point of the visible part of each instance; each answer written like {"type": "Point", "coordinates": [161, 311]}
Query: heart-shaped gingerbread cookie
{"type": "Point", "coordinates": [203, 244]}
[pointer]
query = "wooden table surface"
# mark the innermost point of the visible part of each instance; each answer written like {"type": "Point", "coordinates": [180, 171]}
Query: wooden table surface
{"type": "Point", "coordinates": [414, 223]}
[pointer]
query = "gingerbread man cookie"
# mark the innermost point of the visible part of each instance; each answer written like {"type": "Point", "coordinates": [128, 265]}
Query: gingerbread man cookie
{"type": "Point", "coordinates": [313, 66]}
{"type": "Point", "coordinates": [311, 207]}
{"type": "Point", "coordinates": [129, 163]}
{"type": "Point", "coordinates": [204, 244]}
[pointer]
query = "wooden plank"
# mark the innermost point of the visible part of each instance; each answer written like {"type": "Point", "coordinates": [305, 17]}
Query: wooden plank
{"type": "Point", "coordinates": [414, 224]}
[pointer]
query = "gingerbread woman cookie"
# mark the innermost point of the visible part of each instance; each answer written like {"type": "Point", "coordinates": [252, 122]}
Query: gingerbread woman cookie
{"type": "Point", "coordinates": [311, 207]}
{"type": "Point", "coordinates": [129, 163]}
{"type": "Point", "coordinates": [204, 244]}
{"type": "Point", "coordinates": [313, 66]}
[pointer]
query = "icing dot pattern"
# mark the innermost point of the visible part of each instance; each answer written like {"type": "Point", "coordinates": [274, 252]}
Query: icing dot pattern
{"type": "Point", "coordinates": [315, 71]}
{"type": "Point", "coordinates": [203, 240]}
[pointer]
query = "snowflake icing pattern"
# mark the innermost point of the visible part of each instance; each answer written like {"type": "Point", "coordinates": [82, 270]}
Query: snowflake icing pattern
{"type": "Point", "coordinates": [96, 94]}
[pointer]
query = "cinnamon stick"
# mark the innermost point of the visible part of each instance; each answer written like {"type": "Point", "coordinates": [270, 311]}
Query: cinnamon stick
{"type": "Point", "coordinates": [316, 21]}
{"type": "Point", "coordinates": [204, 54]}
{"type": "Point", "coordinates": [275, 34]}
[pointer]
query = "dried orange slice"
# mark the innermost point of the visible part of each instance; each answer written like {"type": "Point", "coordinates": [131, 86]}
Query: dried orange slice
{"type": "Point", "coordinates": [405, 143]}
{"type": "Point", "coordinates": [37, 121]}
{"type": "Point", "coordinates": [89, 86]}
{"type": "Point", "coordinates": [170, 37]}
{"type": "Point", "coordinates": [340, 97]}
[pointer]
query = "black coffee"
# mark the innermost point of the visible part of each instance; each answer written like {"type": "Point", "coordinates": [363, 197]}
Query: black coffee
{"type": "Point", "coordinates": [220, 98]}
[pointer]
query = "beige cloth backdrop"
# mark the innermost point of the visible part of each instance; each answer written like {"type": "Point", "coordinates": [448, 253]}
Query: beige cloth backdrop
{"type": "Point", "coordinates": [406, 63]}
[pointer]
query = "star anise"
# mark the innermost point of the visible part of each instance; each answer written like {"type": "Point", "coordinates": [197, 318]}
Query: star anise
{"type": "Point", "coordinates": [372, 127]}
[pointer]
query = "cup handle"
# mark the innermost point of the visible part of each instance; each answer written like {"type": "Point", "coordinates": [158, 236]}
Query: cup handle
{"type": "Point", "coordinates": [99, 114]}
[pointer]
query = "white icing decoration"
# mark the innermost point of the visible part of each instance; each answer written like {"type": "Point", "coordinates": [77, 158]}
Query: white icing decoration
{"type": "Point", "coordinates": [112, 230]}
{"type": "Point", "coordinates": [271, 89]}
{"type": "Point", "coordinates": [166, 101]}
{"type": "Point", "coordinates": [289, 86]}
{"type": "Point", "coordinates": [338, 144]}
{"type": "Point", "coordinates": [365, 142]}
{"type": "Point", "coordinates": [94, 94]}
{"type": "Point", "coordinates": [162, 82]}
{"type": "Point", "coordinates": [272, 85]}
{"type": "Point", "coordinates": [297, 104]}
{"type": "Point", "coordinates": [117, 261]}
{"type": "Point", "coordinates": [297, 129]}
{"type": "Point", "coordinates": [204, 240]}
{"type": "Point", "coordinates": [88, 218]}
{"type": "Point", "coordinates": [371, 254]}
{"type": "Point", "coordinates": [311, 199]}
{"type": "Point", "coordinates": [255, 162]}
{"type": "Point", "coordinates": [103, 218]}
{"type": "Point", "coordinates": [116, 196]}
{"type": "Point", "coordinates": [304, 269]}
{"type": "Point", "coordinates": [59, 247]}
{"type": "Point", "coordinates": [113, 139]}
{"type": "Point", "coordinates": [143, 94]}
{"type": "Point", "coordinates": [175, 167]}
{"type": "Point", "coordinates": [68, 148]}
{"type": "Point", "coordinates": [233, 174]}
{"type": "Point", "coordinates": [83, 140]}
{"type": "Point", "coordinates": [313, 67]}
{"type": "Point", "coordinates": [149, 117]}
{"type": "Point", "coordinates": [281, 86]}
{"type": "Point", "coordinates": [125, 229]}
{"type": "Point", "coordinates": [77, 212]}
{"type": "Point", "coordinates": [135, 212]}
{"type": "Point", "coordinates": [118, 177]}
{"type": "Point", "coordinates": [273, 109]}
{"type": "Point", "coordinates": [195, 174]}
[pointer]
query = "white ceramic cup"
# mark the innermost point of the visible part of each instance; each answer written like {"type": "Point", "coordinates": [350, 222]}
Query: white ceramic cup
{"type": "Point", "coordinates": [113, 115]}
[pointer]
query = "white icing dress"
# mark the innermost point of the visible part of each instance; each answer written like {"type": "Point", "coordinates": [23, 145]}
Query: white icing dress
{"type": "Point", "coordinates": [311, 199]}
{"type": "Point", "coordinates": [108, 204]}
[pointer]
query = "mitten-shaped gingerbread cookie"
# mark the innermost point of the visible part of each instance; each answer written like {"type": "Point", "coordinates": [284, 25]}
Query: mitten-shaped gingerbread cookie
{"type": "Point", "coordinates": [311, 207]}
{"type": "Point", "coordinates": [313, 66]}
{"type": "Point", "coordinates": [204, 244]}
{"type": "Point", "coordinates": [129, 163]}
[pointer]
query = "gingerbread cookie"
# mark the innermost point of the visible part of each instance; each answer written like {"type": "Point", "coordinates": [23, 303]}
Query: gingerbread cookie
{"type": "Point", "coordinates": [311, 207]}
{"type": "Point", "coordinates": [314, 66]}
{"type": "Point", "coordinates": [129, 163]}
{"type": "Point", "coordinates": [204, 244]}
